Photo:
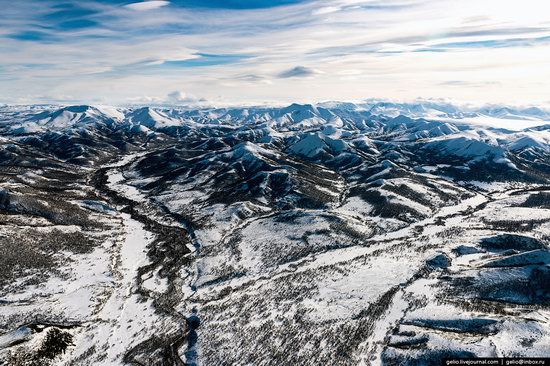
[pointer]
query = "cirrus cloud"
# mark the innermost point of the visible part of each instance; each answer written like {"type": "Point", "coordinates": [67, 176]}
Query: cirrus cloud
{"type": "Point", "coordinates": [147, 5]}
{"type": "Point", "coordinates": [299, 72]}
{"type": "Point", "coordinates": [257, 50]}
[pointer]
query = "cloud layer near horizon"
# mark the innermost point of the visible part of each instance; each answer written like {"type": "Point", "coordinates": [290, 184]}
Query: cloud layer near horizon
{"type": "Point", "coordinates": [254, 51]}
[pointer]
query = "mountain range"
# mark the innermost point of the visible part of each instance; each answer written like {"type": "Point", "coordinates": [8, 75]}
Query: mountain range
{"type": "Point", "coordinates": [336, 233]}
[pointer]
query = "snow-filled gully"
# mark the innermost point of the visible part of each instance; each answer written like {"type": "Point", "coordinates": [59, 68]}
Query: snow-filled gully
{"type": "Point", "coordinates": [144, 236]}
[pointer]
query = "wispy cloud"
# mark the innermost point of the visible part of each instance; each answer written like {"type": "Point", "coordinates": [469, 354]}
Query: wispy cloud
{"type": "Point", "coordinates": [299, 72]}
{"type": "Point", "coordinates": [252, 78]}
{"type": "Point", "coordinates": [147, 5]}
{"type": "Point", "coordinates": [326, 10]}
{"type": "Point", "coordinates": [177, 97]}
{"type": "Point", "coordinates": [461, 83]}
{"type": "Point", "coordinates": [286, 50]}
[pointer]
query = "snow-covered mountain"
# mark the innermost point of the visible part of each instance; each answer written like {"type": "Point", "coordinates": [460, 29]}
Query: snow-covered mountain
{"type": "Point", "coordinates": [336, 233]}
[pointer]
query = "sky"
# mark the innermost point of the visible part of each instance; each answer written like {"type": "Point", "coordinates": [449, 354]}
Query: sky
{"type": "Point", "coordinates": [273, 51]}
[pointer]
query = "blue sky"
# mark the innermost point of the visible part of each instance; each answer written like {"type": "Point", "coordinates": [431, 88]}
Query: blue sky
{"type": "Point", "coordinates": [273, 51]}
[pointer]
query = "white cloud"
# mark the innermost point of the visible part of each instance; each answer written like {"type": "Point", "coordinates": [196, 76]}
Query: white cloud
{"type": "Point", "coordinates": [145, 99]}
{"type": "Point", "coordinates": [175, 97]}
{"type": "Point", "coordinates": [181, 97]}
{"type": "Point", "coordinates": [326, 10]}
{"type": "Point", "coordinates": [147, 5]}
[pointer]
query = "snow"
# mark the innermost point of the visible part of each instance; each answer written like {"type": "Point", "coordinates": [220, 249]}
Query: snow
{"type": "Point", "coordinates": [355, 206]}
{"type": "Point", "coordinates": [309, 146]}
{"type": "Point", "coordinates": [133, 251]}
{"type": "Point", "coordinates": [531, 139]}
{"type": "Point", "coordinates": [518, 214]}
{"type": "Point", "coordinates": [111, 112]}
{"type": "Point", "coordinates": [125, 316]}
{"type": "Point", "coordinates": [156, 283]}
{"type": "Point", "coordinates": [114, 181]}
{"type": "Point", "coordinates": [467, 144]}
{"type": "Point", "coordinates": [248, 151]}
